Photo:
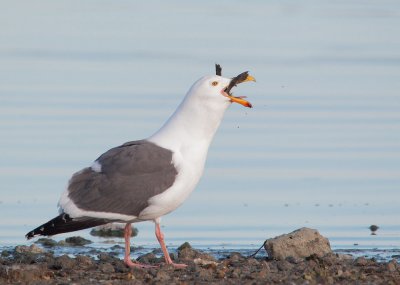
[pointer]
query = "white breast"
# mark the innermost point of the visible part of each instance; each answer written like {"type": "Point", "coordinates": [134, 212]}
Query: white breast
{"type": "Point", "coordinates": [190, 166]}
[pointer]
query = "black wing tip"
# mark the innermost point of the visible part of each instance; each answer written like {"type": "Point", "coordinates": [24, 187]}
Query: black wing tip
{"type": "Point", "coordinates": [48, 228]}
{"type": "Point", "coordinates": [30, 235]}
{"type": "Point", "coordinates": [64, 224]}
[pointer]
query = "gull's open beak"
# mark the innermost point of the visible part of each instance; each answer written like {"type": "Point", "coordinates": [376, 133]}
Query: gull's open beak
{"type": "Point", "coordinates": [243, 77]}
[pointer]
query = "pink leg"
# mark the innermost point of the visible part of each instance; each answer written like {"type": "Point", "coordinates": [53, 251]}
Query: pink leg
{"type": "Point", "coordinates": [127, 258]}
{"type": "Point", "coordinates": [160, 237]}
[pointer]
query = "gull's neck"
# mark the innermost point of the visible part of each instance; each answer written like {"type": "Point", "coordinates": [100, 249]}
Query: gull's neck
{"type": "Point", "coordinates": [191, 127]}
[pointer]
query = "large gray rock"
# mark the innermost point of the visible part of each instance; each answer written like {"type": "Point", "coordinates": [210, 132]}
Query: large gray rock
{"type": "Point", "coordinates": [298, 244]}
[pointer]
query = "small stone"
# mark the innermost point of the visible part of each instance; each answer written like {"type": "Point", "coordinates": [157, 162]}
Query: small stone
{"type": "Point", "coordinates": [205, 275]}
{"type": "Point", "coordinates": [147, 258]}
{"type": "Point", "coordinates": [235, 257]}
{"type": "Point", "coordinates": [293, 260]}
{"type": "Point", "coordinates": [220, 273]}
{"type": "Point", "coordinates": [184, 245]}
{"type": "Point", "coordinates": [265, 265]}
{"type": "Point", "coordinates": [77, 241]}
{"type": "Point", "coordinates": [283, 265]}
{"type": "Point", "coordinates": [236, 273]}
{"type": "Point", "coordinates": [361, 261]}
{"type": "Point", "coordinates": [120, 267]}
{"type": "Point", "coordinates": [105, 257]}
{"type": "Point", "coordinates": [63, 262]}
{"type": "Point", "coordinates": [252, 262]}
{"type": "Point", "coordinates": [106, 268]}
{"type": "Point", "coordinates": [5, 253]}
{"type": "Point", "coordinates": [307, 276]}
{"type": "Point", "coordinates": [204, 262]}
{"type": "Point", "coordinates": [263, 273]}
{"type": "Point", "coordinates": [162, 276]}
{"type": "Point", "coordinates": [392, 265]}
{"type": "Point", "coordinates": [112, 230]}
{"type": "Point", "coordinates": [48, 242]}
{"type": "Point", "coordinates": [344, 257]}
{"type": "Point", "coordinates": [34, 249]}
{"type": "Point", "coordinates": [84, 261]}
{"type": "Point", "coordinates": [18, 273]}
{"type": "Point", "coordinates": [186, 252]}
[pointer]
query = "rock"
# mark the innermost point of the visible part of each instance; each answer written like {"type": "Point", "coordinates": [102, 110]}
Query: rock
{"type": "Point", "coordinates": [105, 257]}
{"type": "Point", "coordinates": [204, 262]}
{"type": "Point", "coordinates": [392, 265]}
{"type": "Point", "coordinates": [112, 230]}
{"type": "Point", "coordinates": [77, 241]}
{"type": "Point", "coordinates": [262, 274]}
{"type": "Point", "coordinates": [298, 244]}
{"type": "Point", "coordinates": [284, 265]}
{"type": "Point", "coordinates": [235, 257]}
{"type": "Point", "coordinates": [205, 275]}
{"type": "Point", "coordinates": [22, 273]}
{"type": "Point", "coordinates": [235, 273]}
{"type": "Point", "coordinates": [147, 258]}
{"type": "Point", "coordinates": [344, 257]}
{"type": "Point", "coordinates": [162, 276]}
{"type": "Point", "coordinates": [221, 271]}
{"type": "Point", "coordinates": [120, 267]}
{"type": "Point", "coordinates": [361, 261]}
{"type": "Point", "coordinates": [84, 261]}
{"type": "Point", "coordinates": [186, 252]}
{"type": "Point", "coordinates": [106, 268]}
{"type": "Point", "coordinates": [48, 242]}
{"type": "Point", "coordinates": [5, 253]}
{"type": "Point", "coordinates": [34, 249]}
{"type": "Point", "coordinates": [63, 262]}
{"type": "Point", "coordinates": [184, 245]}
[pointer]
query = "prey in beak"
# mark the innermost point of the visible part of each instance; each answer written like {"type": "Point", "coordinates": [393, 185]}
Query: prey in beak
{"type": "Point", "coordinates": [242, 77]}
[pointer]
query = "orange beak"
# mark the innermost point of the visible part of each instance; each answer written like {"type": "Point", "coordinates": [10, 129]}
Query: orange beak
{"type": "Point", "coordinates": [240, 99]}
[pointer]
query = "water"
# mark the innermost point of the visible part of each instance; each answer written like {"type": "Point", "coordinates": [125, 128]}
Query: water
{"type": "Point", "coordinates": [320, 148]}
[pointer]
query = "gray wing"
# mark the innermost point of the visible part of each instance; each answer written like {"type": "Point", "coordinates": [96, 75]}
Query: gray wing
{"type": "Point", "coordinates": [130, 175]}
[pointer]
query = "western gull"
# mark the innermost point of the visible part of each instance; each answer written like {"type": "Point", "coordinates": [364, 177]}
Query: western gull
{"type": "Point", "coordinates": [146, 179]}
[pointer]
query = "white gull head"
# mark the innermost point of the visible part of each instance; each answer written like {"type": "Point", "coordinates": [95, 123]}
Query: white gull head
{"type": "Point", "coordinates": [199, 115]}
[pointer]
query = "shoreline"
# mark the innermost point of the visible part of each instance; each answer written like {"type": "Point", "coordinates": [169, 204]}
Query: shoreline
{"type": "Point", "coordinates": [35, 265]}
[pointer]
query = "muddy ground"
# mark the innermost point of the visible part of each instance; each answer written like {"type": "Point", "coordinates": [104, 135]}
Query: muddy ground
{"type": "Point", "coordinates": [33, 265]}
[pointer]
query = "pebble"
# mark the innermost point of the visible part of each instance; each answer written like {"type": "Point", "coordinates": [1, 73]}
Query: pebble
{"type": "Point", "coordinates": [361, 261]}
{"type": "Point", "coordinates": [34, 249]}
{"type": "Point", "coordinates": [64, 262]}
{"type": "Point", "coordinates": [84, 261]}
{"type": "Point", "coordinates": [162, 276]}
{"type": "Point", "coordinates": [77, 241]}
{"type": "Point", "coordinates": [392, 265]}
{"type": "Point", "coordinates": [106, 268]}
{"type": "Point", "coordinates": [48, 242]}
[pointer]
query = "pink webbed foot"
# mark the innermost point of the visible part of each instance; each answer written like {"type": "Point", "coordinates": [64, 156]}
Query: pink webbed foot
{"type": "Point", "coordinates": [179, 265]}
{"type": "Point", "coordinates": [128, 262]}
{"type": "Point", "coordinates": [160, 238]}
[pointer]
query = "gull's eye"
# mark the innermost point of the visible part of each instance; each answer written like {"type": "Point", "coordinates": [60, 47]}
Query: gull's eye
{"type": "Point", "coordinates": [214, 83]}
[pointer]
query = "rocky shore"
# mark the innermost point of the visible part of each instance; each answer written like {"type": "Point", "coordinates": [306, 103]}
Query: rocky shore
{"type": "Point", "coordinates": [35, 265]}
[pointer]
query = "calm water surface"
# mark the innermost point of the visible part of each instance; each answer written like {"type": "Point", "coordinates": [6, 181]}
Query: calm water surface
{"type": "Point", "coordinates": [320, 148]}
